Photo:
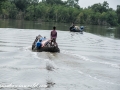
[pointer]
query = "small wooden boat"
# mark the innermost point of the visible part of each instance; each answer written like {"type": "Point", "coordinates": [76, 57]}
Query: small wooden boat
{"type": "Point", "coordinates": [42, 44]}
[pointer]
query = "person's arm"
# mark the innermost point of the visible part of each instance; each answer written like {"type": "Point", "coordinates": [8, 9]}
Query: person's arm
{"type": "Point", "coordinates": [56, 34]}
{"type": "Point", "coordinates": [51, 34]}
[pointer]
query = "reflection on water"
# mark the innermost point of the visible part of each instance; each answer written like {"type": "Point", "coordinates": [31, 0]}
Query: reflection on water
{"type": "Point", "coordinates": [31, 25]}
{"type": "Point", "coordinates": [112, 32]}
{"type": "Point", "coordinates": [104, 31]}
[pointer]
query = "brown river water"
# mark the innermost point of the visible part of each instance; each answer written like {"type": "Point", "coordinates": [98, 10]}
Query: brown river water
{"type": "Point", "coordinates": [86, 61]}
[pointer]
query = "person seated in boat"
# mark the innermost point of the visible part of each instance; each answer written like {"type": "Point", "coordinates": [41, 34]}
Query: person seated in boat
{"type": "Point", "coordinates": [36, 39]}
{"type": "Point", "coordinates": [77, 28]}
{"type": "Point", "coordinates": [53, 36]}
{"type": "Point", "coordinates": [46, 43]}
{"type": "Point", "coordinates": [38, 44]}
{"type": "Point", "coordinates": [43, 42]}
{"type": "Point", "coordinates": [81, 28]}
{"type": "Point", "coordinates": [42, 39]}
{"type": "Point", "coordinates": [39, 41]}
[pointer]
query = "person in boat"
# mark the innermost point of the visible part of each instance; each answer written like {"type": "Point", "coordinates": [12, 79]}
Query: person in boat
{"type": "Point", "coordinates": [81, 28]}
{"type": "Point", "coordinates": [72, 27]}
{"type": "Point", "coordinates": [53, 36]}
{"type": "Point", "coordinates": [42, 42]}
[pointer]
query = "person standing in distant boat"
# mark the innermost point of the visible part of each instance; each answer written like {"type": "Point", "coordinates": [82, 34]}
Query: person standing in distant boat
{"type": "Point", "coordinates": [72, 27]}
{"type": "Point", "coordinates": [53, 35]}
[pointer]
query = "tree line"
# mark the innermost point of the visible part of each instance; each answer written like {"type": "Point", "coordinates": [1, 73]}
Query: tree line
{"type": "Point", "coordinates": [60, 11]}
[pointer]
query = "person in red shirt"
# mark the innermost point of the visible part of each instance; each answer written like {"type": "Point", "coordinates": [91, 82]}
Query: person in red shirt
{"type": "Point", "coordinates": [53, 35]}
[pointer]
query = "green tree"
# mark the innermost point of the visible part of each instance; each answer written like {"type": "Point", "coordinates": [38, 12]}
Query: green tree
{"type": "Point", "coordinates": [54, 2]}
{"type": "Point", "coordinates": [1, 1]}
{"type": "Point", "coordinates": [9, 10]}
{"type": "Point", "coordinates": [100, 7]}
{"type": "Point", "coordinates": [72, 3]}
{"type": "Point", "coordinates": [29, 15]}
{"type": "Point", "coordinates": [23, 4]}
{"type": "Point", "coordinates": [118, 13]}
{"type": "Point", "coordinates": [112, 18]}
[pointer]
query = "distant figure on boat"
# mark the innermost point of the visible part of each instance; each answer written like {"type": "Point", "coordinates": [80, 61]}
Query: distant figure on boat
{"type": "Point", "coordinates": [81, 28]}
{"type": "Point", "coordinates": [53, 35]}
{"type": "Point", "coordinates": [72, 27]}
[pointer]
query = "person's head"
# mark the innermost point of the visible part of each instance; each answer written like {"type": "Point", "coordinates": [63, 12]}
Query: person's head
{"type": "Point", "coordinates": [82, 27]}
{"type": "Point", "coordinates": [44, 37]}
{"type": "Point", "coordinates": [54, 28]}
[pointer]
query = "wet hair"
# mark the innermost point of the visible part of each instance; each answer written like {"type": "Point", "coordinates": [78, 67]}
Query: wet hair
{"type": "Point", "coordinates": [54, 28]}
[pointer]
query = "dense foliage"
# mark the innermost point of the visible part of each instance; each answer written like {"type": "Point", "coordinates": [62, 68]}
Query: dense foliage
{"type": "Point", "coordinates": [60, 11]}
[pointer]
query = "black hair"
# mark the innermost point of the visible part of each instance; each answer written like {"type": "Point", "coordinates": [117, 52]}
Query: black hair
{"type": "Point", "coordinates": [54, 27]}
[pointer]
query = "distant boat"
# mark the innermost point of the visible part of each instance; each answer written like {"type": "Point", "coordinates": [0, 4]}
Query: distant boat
{"type": "Point", "coordinates": [77, 29]}
{"type": "Point", "coordinates": [110, 28]}
{"type": "Point", "coordinates": [42, 44]}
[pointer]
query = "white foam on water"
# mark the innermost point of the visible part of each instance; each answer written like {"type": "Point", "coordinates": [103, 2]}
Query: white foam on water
{"type": "Point", "coordinates": [87, 59]}
{"type": "Point", "coordinates": [100, 80]}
